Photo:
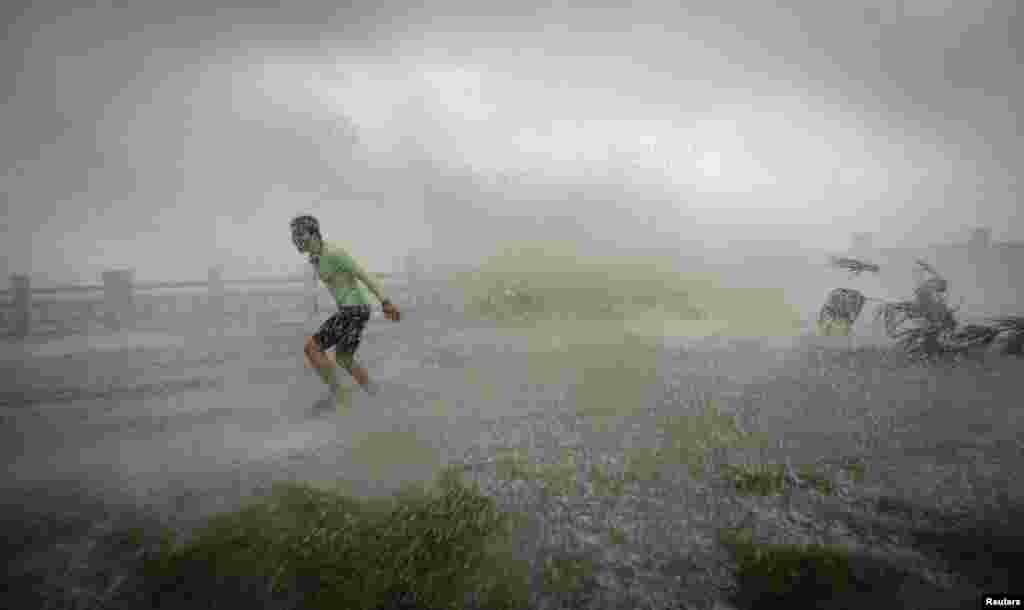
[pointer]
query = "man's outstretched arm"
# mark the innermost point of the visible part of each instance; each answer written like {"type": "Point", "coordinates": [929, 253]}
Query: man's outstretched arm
{"type": "Point", "coordinates": [389, 308]}
{"type": "Point", "coordinates": [369, 281]}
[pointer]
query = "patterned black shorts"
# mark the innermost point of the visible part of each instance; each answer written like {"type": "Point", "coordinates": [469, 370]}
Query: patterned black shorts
{"type": "Point", "coordinates": [344, 330]}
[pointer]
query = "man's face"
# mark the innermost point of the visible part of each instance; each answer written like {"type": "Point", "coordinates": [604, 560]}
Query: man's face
{"type": "Point", "coordinates": [306, 243]}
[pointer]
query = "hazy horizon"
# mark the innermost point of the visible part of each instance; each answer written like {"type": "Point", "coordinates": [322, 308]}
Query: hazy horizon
{"type": "Point", "coordinates": [172, 137]}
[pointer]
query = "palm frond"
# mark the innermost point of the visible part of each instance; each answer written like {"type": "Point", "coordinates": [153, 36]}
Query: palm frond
{"type": "Point", "coordinates": [974, 335]}
{"type": "Point", "coordinates": [923, 340]}
{"type": "Point", "coordinates": [1013, 324]}
{"type": "Point", "coordinates": [927, 268]}
{"type": "Point", "coordinates": [853, 265]}
{"type": "Point", "coordinates": [1010, 334]}
{"type": "Point", "coordinates": [895, 314]}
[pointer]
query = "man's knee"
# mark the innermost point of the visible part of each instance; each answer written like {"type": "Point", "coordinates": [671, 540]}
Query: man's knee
{"type": "Point", "coordinates": [312, 346]}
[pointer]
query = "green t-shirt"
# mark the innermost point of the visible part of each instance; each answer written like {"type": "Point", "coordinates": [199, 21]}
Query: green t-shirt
{"type": "Point", "coordinates": [342, 274]}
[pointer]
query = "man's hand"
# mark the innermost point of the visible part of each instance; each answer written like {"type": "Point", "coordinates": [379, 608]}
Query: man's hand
{"type": "Point", "coordinates": [391, 312]}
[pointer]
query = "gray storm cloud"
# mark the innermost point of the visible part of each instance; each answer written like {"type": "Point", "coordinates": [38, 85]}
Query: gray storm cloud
{"type": "Point", "coordinates": [132, 131]}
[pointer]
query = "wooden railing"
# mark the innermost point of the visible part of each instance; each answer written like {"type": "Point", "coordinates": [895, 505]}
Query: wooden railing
{"type": "Point", "coordinates": [121, 302]}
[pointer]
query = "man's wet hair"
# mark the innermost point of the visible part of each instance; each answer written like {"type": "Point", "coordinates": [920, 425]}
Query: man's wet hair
{"type": "Point", "coordinates": [306, 224]}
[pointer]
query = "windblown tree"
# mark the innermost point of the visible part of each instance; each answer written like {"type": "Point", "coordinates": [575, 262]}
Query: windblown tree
{"type": "Point", "coordinates": [926, 325]}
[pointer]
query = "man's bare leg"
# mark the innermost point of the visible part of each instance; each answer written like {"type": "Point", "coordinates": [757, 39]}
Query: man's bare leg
{"type": "Point", "coordinates": [322, 363]}
{"type": "Point", "coordinates": [358, 372]}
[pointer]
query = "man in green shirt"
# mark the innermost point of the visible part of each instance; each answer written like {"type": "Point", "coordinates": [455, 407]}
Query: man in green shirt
{"type": "Point", "coordinates": [343, 330]}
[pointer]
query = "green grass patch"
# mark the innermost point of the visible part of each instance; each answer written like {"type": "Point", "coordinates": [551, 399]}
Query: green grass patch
{"type": "Point", "coordinates": [617, 536]}
{"type": "Point", "coordinates": [816, 480]}
{"type": "Point", "coordinates": [856, 471]}
{"type": "Point", "coordinates": [135, 537]}
{"type": "Point", "coordinates": [566, 574]}
{"type": "Point", "coordinates": [440, 543]}
{"type": "Point", "coordinates": [688, 440]}
{"type": "Point", "coordinates": [559, 479]}
{"type": "Point", "coordinates": [827, 577]}
{"type": "Point", "coordinates": [642, 464]}
{"type": "Point", "coordinates": [511, 464]}
{"type": "Point", "coordinates": [761, 480]}
{"type": "Point", "coordinates": [440, 408]}
{"type": "Point", "coordinates": [769, 479]}
{"type": "Point", "coordinates": [788, 573]}
{"type": "Point", "coordinates": [605, 484]}
{"type": "Point", "coordinates": [488, 391]}
{"type": "Point", "coordinates": [691, 437]}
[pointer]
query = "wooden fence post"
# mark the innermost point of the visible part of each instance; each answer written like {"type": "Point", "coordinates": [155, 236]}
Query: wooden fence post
{"type": "Point", "coordinates": [215, 292]}
{"type": "Point", "coordinates": [981, 238]}
{"type": "Point", "coordinates": [118, 298]}
{"type": "Point", "coordinates": [21, 289]}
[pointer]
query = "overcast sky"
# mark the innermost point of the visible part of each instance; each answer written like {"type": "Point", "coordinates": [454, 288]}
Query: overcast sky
{"type": "Point", "coordinates": [170, 136]}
